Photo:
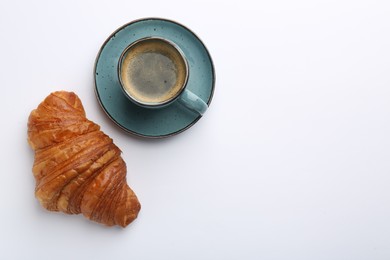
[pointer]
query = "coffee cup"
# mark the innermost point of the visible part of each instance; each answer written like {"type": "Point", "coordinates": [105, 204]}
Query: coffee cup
{"type": "Point", "coordinates": [153, 72]}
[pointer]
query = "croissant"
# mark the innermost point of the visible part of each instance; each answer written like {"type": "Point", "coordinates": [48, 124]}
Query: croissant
{"type": "Point", "coordinates": [78, 168]}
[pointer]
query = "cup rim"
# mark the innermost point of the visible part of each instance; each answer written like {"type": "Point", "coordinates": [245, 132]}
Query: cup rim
{"type": "Point", "coordinates": [153, 104]}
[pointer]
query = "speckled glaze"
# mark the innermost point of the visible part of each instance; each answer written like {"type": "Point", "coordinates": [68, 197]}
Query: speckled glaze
{"type": "Point", "coordinates": [146, 122]}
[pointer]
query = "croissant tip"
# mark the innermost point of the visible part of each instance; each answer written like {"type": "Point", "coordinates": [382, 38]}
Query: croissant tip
{"type": "Point", "coordinates": [127, 221]}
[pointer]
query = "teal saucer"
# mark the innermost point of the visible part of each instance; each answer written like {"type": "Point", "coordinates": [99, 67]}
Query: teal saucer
{"type": "Point", "coordinates": [147, 122]}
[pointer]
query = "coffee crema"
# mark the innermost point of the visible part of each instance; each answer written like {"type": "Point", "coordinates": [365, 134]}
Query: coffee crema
{"type": "Point", "coordinates": [153, 72]}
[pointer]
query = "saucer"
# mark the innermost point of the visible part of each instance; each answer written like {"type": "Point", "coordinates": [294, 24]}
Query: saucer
{"type": "Point", "coordinates": [148, 122]}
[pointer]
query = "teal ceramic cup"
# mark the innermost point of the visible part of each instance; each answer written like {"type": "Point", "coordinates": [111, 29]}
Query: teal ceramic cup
{"type": "Point", "coordinates": [153, 73]}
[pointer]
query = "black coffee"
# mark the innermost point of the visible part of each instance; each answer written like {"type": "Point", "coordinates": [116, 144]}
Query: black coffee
{"type": "Point", "coordinates": [153, 71]}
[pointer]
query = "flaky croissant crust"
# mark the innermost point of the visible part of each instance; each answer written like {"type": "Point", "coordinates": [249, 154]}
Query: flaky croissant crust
{"type": "Point", "coordinates": [77, 168]}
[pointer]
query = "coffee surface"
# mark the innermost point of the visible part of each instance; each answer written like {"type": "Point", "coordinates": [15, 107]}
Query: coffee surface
{"type": "Point", "coordinates": [153, 72]}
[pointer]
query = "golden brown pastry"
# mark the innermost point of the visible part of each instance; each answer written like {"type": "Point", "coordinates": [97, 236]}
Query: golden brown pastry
{"type": "Point", "coordinates": [77, 168]}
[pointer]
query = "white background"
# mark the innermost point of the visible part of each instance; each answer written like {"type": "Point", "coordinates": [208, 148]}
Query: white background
{"type": "Point", "coordinates": [290, 162]}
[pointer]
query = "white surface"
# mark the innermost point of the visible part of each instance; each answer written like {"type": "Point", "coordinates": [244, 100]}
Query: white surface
{"type": "Point", "coordinates": [290, 162]}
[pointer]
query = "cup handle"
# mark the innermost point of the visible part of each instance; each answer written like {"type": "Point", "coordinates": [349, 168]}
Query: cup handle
{"type": "Point", "coordinates": [193, 102]}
